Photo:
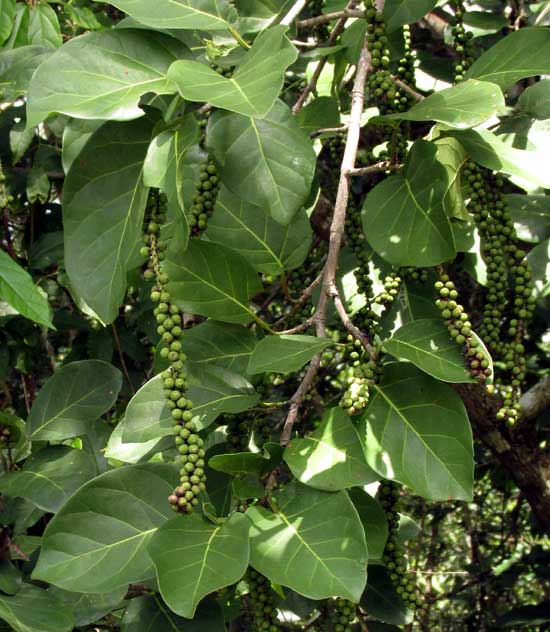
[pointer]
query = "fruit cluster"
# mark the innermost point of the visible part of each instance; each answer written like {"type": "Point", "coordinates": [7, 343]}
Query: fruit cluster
{"type": "Point", "coordinates": [262, 603]}
{"type": "Point", "coordinates": [341, 614]}
{"type": "Point", "coordinates": [462, 43]}
{"type": "Point", "coordinates": [205, 196]}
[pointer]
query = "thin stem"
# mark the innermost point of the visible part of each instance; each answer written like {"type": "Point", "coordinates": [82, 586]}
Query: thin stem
{"type": "Point", "coordinates": [348, 324]}
{"type": "Point", "coordinates": [406, 88]}
{"type": "Point", "coordinates": [238, 38]}
{"type": "Point", "coordinates": [328, 130]}
{"type": "Point", "coordinates": [121, 357]}
{"type": "Point", "coordinates": [379, 167]}
{"type": "Point", "coordinates": [329, 17]}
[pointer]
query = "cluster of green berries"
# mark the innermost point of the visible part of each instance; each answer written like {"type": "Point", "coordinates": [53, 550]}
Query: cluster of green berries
{"type": "Point", "coordinates": [405, 69]}
{"type": "Point", "coordinates": [169, 327]}
{"type": "Point", "coordinates": [224, 72]}
{"type": "Point", "coordinates": [237, 432]}
{"type": "Point", "coordinates": [341, 614]}
{"type": "Point", "coordinates": [394, 556]}
{"type": "Point", "coordinates": [204, 199]}
{"type": "Point", "coordinates": [262, 603]}
{"type": "Point", "coordinates": [460, 328]}
{"type": "Point", "coordinates": [5, 436]}
{"type": "Point", "coordinates": [392, 284]}
{"type": "Point", "coordinates": [414, 274]}
{"type": "Point", "coordinates": [361, 371]}
{"type": "Point", "coordinates": [462, 43]}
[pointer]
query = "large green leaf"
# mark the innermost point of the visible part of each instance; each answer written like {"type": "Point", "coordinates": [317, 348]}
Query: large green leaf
{"type": "Point", "coordinates": [17, 67]}
{"type": "Point", "coordinates": [522, 53]}
{"type": "Point", "coordinates": [314, 543]}
{"type": "Point", "coordinates": [18, 290]}
{"type": "Point", "coordinates": [400, 12]}
{"type": "Point", "coordinates": [212, 280]}
{"type": "Point", "coordinates": [103, 75]}
{"type": "Point", "coordinates": [374, 520]}
{"type": "Point", "coordinates": [193, 558]}
{"type": "Point", "coordinates": [286, 353]}
{"type": "Point", "coordinates": [269, 162]}
{"type": "Point", "coordinates": [416, 431]}
{"type": "Point", "coordinates": [50, 476]}
{"type": "Point", "coordinates": [89, 607]}
{"type": "Point", "coordinates": [331, 457]}
{"type": "Point", "coordinates": [381, 600]}
{"type": "Point", "coordinates": [33, 609]}
{"type": "Point", "coordinates": [404, 219]}
{"type": "Point", "coordinates": [267, 245]}
{"type": "Point", "coordinates": [98, 541]}
{"type": "Point", "coordinates": [427, 344]}
{"type": "Point", "coordinates": [467, 104]}
{"type": "Point", "coordinates": [207, 15]}
{"type": "Point", "coordinates": [74, 397]}
{"type": "Point", "coordinates": [535, 100]}
{"type": "Point", "coordinates": [7, 17]}
{"type": "Point", "coordinates": [103, 204]}
{"type": "Point", "coordinates": [76, 134]}
{"type": "Point", "coordinates": [44, 26]}
{"type": "Point", "coordinates": [255, 84]}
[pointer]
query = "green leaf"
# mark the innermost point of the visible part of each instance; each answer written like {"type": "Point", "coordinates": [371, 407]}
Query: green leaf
{"type": "Point", "coordinates": [285, 353]}
{"type": "Point", "coordinates": [539, 260]}
{"type": "Point", "coordinates": [267, 245]}
{"type": "Point", "coordinates": [416, 431]}
{"type": "Point", "coordinates": [123, 452]}
{"type": "Point", "coordinates": [76, 134]}
{"type": "Point", "coordinates": [255, 84]}
{"type": "Point", "coordinates": [381, 600]}
{"type": "Point", "coordinates": [50, 476]}
{"type": "Point", "coordinates": [320, 113]}
{"type": "Point", "coordinates": [18, 290]}
{"type": "Point", "coordinates": [7, 17]}
{"type": "Point", "coordinates": [10, 577]}
{"type": "Point", "coordinates": [331, 457]}
{"type": "Point", "coordinates": [400, 12]}
{"type": "Point", "coordinates": [103, 204]}
{"type": "Point", "coordinates": [74, 397]}
{"type": "Point", "coordinates": [374, 521]}
{"type": "Point", "coordinates": [256, 15]}
{"type": "Point", "coordinates": [531, 216]}
{"type": "Point", "coordinates": [248, 462]}
{"type": "Point", "coordinates": [403, 217]}
{"type": "Point", "coordinates": [522, 53]}
{"type": "Point", "coordinates": [253, 155]}
{"type": "Point", "coordinates": [467, 104]}
{"type": "Point", "coordinates": [86, 607]}
{"type": "Point", "coordinates": [452, 156]}
{"type": "Point", "coordinates": [220, 344]}
{"type": "Point", "coordinates": [17, 67]}
{"type": "Point", "coordinates": [106, 526]}
{"type": "Point", "coordinates": [212, 280]}
{"type": "Point", "coordinates": [193, 558]}
{"type": "Point", "coordinates": [103, 75]}
{"type": "Point", "coordinates": [44, 26]}
{"type": "Point", "coordinates": [314, 543]}
{"type": "Point", "coordinates": [427, 344]}
{"type": "Point", "coordinates": [21, 138]}
{"type": "Point", "coordinates": [207, 15]}
{"type": "Point", "coordinates": [33, 609]}
{"type": "Point", "coordinates": [535, 100]}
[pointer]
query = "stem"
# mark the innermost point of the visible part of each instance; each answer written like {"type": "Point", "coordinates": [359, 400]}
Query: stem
{"type": "Point", "coordinates": [328, 17]}
{"type": "Point", "coordinates": [121, 357]}
{"type": "Point", "coordinates": [238, 38]}
{"type": "Point", "coordinates": [406, 88]}
{"type": "Point", "coordinates": [379, 167]}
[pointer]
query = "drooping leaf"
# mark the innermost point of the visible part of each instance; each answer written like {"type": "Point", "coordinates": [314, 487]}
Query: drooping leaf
{"type": "Point", "coordinates": [404, 219]}
{"type": "Point", "coordinates": [255, 84]}
{"type": "Point", "coordinates": [33, 609]}
{"type": "Point", "coordinates": [452, 156]}
{"type": "Point", "coordinates": [103, 204]}
{"type": "Point", "coordinates": [381, 600]}
{"type": "Point", "coordinates": [212, 280]}
{"type": "Point", "coordinates": [427, 344]}
{"type": "Point", "coordinates": [50, 476]}
{"type": "Point", "coordinates": [522, 53]}
{"type": "Point", "coordinates": [44, 26]}
{"type": "Point", "coordinates": [74, 397]}
{"type": "Point", "coordinates": [285, 353]}
{"type": "Point", "coordinates": [331, 457]}
{"type": "Point", "coordinates": [102, 75]}
{"type": "Point", "coordinates": [76, 134]}
{"type": "Point", "coordinates": [400, 12]}
{"type": "Point", "coordinates": [18, 290]}
{"type": "Point", "coordinates": [193, 558]}
{"type": "Point", "coordinates": [269, 162]}
{"type": "Point", "coordinates": [416, 431]}
{"type": "Point", "coordinates": [314, 543]}
{"type": "Point", "coordinates": [374, 520]}
{"type": "Point", "coordinates": [107, 526]}
{"type": "Point", "coordinates": [268, 246]}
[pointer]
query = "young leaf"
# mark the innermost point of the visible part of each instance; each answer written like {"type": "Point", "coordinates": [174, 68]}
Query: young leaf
{"type": "Point", "coordinates": [193, 558]}
{"type": "Point", "coordinates": [255, 84]}
{"type": "Point", "coordinates": [103, 75]}
{"type": "Point", "coordinates": [33, 609]}
{"type": "Point", "coordinates": [416, 431]}
{"type": "Point", "coordinates": [285, 353]}
{"type": "Point", "coordinates": [374, 520]}
{"type": "Point", "coordinates": [403, 217]}
{"type": "Point", "coordinates": [267, 245]}
{"type": "Point", "coordinates": [212, 280]}
{"type": "Point", "coordinates": [75, 396]}
{"type": "Point", "coordinates": [253, 155]}
{"type": "Point", "coordinates": [44, 26]}
{"type": "Point", "coordinates": [331, 457]}
{"type": "Point", "coordinates": [18, 290]}
{"type": "Point", "coordinates": [107, 526]}
{"type": "Point", "coordinates": [400, 12]}
{"type": "Point", "coordinates": [314, 543]}
{"type": "Point", "coordinates": [7, 17]}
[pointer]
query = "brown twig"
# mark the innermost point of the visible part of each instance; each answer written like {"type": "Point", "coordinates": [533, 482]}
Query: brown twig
{"type": "Point", "coordinates": [406, 88]}
{"type": "Point", "coordinates": [329, 17]}
{"type": "Point", "coordinates": [121, 357]}
{"type": "Point", "coordinates": [328, 130]}
{"type": "Point", "coordinates": [348, 324]}
{"type": "Point", "coordinates": [378, 167]}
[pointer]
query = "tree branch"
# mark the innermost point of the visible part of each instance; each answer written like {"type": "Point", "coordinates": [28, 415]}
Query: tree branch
{"type": "Point", "coordinates": [384, 165]}
{"type": "Point", "coordinates": [536, 400]}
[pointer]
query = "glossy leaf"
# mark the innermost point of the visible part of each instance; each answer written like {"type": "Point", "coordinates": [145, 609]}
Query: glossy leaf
{"type": "Point", "coordinates": [103, 204]}
{"type": "Point", "coordinates": [128, 452]}
{"type": "Point", "coordinates": [18, 290]}
{"type": "Point", "coordinates": [102, 75]}
{"type": "Point", "coordinates": [535, 100]}
{"type": "Point", "coordinates": [193, 558]}
{"type": "Point", "coordinates": [107, 526]}
{"type": "Point", "coordinates": [400, 12]}
{"type": "Point", "coordinates": [314, 543]}
{"type": "Point", "coordinates": [374, 521]}
{"type": "Point", "coordinates": [404, 219]}
{"type": "Point", "coordinates": [87, 608]}
{"type": "Point", "coordinates": [268, 246]}
{"type": "Point", "coordinates": [285, 353]}
{"type": "Point", "coordinates": [33, 609]}
{"type": "Point", "coordinates": [50, 476]}
{"type": "Point", "coordinates": [212, 280]}
{"type": "Point", "coordinates": [269, 162]}
{"type": "Point", "coordinates": [74, 397]}
{"type": "Point", "coordinates": [381, 600]}
{"type": "Point", "coordinates": [522, 53]}
{"type": "Point", "coordinates": [427, 344]}
{"type": "Point", "coordinates": [255, 84]}
{"type": "Point", "coordinates": [416, 431]}
{"type": "Point", "coordinates": [331, 457]}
